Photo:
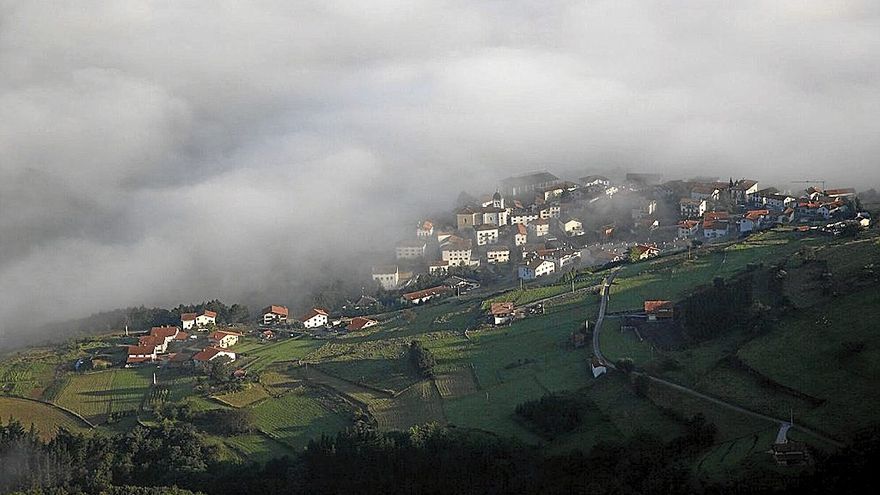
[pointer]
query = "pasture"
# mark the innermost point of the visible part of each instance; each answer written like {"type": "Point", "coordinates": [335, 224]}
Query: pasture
{"type": "Point", "coordinates": [297, 417]}
{"type": "Point", "coordinates": [44, 417]}
{"type": "Point", "coordinates": [96, 395]}
{"type": "Point", "coordinates": [253, 392]}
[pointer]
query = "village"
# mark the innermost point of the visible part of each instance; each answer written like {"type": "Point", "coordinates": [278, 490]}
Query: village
{"type": "Point", "coordinates": [532, 229]}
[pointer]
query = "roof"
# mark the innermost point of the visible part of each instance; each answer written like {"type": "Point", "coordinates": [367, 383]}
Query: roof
{"type": "Point", "coordinates": [688, 224]}
{"type": "Point", "coordinates": [529, 179]}
{"type": "Point", "coordinates": [457, 244]}
{"type": "Point", "coordinates": [691, 201]}
{"type": "Point", "coordinates": [134, 360]}
{"type": "Point", "coordinates": [745, 184]}
{"type": "Point", "coordinates": [220, 334]}
{"type": "Point", "coordinates": [541, 221]}
{"type": "Point", "coordinates": [433, 291]}
{"type": "Point", "coordinates": [187, 316]}
{"type": "Point", "coordinates": [360, 322]}
{"type": "Point", "coordinates": [840, 192]}
{"type": "Point", "coordinates": [163, 332]}
{"type": "Point", "coordinates": [208, 313]}
{"type": "Point", "coordinates": [313, 313]}
{"type": "Point", "coordinates": [277, 310]}
{"type": "Point", "coordinates": [715, 225]}
{"type": "Point", "coordinates": [658, 306]}
{"type": "Point", "coordinates": [498, 249]}
{"type": "Point", "coordinates": [521, 229]}
{"type": "Point", "coordinates": [716, 215]}
{"type": "Point", "coordinates": [138, 349]}
{"type": "Point", "coordinates": [756, 214]}
{"type": "Point", "coordinates": [150, 341]}
{"type": "Point", "coordinates": [501, 308]}
{"type": "Point", "coordinates": [592, 178]}
{"type": "Point", "coordinates": [209, 353]}
{"type": "Point", "coordinates": [533, 265]}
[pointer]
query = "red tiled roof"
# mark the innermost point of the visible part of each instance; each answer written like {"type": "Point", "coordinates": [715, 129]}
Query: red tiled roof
{"type": "Point", "coordinates": [433, 291]}
{"type": "Point", "coordinates": [163, 332]}
{"type": "Point", "coordinates": [359, 322]}
{"type": "Point", "coordinates": [187, 316]}
{"type": "Point", "coordinates": [219, 334]}
{"type": "Point", "coordinates": [207, 354]}
{"type": "Point", "coordinates": [181, 336]}
{"type": "Point", "coordinates": [277, 310]}
{"type": "Point", "coordinates": [688, 224]}
{"type": "Point", "coordinates": [521, 229]}
{"type": "Point", "coordinates": [150, 341]}
{"type": "Point", "coordinates": [658, 306]}
{"type": "Point", "coordinates": [138, 349]}
{"type": "Point", "coordinates": [208, 313]}
{"type": "Point", "coordinates": [137, 360]}
{"type": "Point", "coordinates": [501, 308]}
{"type": "Point", "coordinates": [716, 215]}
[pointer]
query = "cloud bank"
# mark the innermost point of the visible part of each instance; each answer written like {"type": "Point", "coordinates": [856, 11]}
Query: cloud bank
{"type": "Point", "coordinates": [163, 152]}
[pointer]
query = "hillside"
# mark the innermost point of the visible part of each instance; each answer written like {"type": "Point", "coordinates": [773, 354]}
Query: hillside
{"type": "Point", "coordinates": [814, 358]}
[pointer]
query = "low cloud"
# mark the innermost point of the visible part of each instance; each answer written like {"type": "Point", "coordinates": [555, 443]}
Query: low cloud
{"type": "Point", "coordinates": [164, 153]}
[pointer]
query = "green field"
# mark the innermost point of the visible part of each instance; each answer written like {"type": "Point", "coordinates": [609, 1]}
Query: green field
{"type": "Point", "coordinates": [96, 395]}
{"type": "Point", "coordinates": [253, 392]}
{"type": "Point", "coordinates": [45, 418]}
{"type": "Point", "coordinates": [288, 350]}
{"type": "Point", "coordinates": [296, 417]}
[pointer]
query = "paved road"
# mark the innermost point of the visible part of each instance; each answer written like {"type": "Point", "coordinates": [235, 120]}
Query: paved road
{"type": "Point", "coordinates": [598, 353]}
{"type": "Point", "coordinates": [606, 290]}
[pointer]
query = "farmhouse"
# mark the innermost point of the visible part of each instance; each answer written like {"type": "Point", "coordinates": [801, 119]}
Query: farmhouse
{"type": "Point", "coordinates": [659, 309]}
{"type": "Point", "coordinates": [387, 276]}
{"type": "Point", "coordinates": [316, 317]}
{"type": "Point", "coordinates": [223, 339]}
{"type": "Point", "coordinates": [714, 228]}
{"type": "Point", "coordinates": [535, 269]}
{"type": "Point", "coordinates": [198, 320]}
{"type": "Point", "coordinates": [502, 312]}
{"type": "Point", "coordinates": [160, 337]}
{"type": "Point", "coordinates": [212, 353]}
{"type": "Point", "coordinates": [275, 315]}
{"type": "Point", "coordinates": [140, 354]}
{"type": "Point", "coordinates": [422, 296]}
{"type": "Point", "coordinates": [360, 323]}
{"type": "Point", "coordinates": [643, 252]}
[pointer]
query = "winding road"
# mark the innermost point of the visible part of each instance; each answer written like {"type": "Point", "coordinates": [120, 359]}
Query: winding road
{"type": "Point", "coordinates": [597, 352]}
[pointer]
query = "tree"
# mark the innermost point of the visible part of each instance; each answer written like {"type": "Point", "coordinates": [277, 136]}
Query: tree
{"type": "Point", "coordinates": [422, 359]}
{"type": "Point", "coordinates": [625, 364]}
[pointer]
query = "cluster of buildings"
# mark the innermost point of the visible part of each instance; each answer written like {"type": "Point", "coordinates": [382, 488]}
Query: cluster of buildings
{"type": "Point", "coordinates": [721, 209]}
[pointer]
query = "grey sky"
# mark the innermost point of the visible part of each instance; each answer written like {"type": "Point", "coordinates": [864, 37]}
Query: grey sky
{"type": "Point", "coordinates": [165, 152]}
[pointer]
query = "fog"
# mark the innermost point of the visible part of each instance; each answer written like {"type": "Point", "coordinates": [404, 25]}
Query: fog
{"type": "Point", "coordinates": [165, 152]}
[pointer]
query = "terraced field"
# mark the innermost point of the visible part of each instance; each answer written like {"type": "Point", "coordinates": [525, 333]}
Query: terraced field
{"type": "Point", "coordinates": [45, 418]}
{"type": "Point", "coordinates": [288, 350]}
{"type": "Point", "coordinates": [253, 392]}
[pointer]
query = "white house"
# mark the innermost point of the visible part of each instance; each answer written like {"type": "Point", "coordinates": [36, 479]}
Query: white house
{"type": "Point", "coordinates": [688, 228]}
{"type": "Point", "coordinates": [549, 211]}
{"type": "Point", "coordinates": [468, 217]}
{"type": "Point", "coordinates": [502, 312]}
{"type": "Point", "coordinates": [275, 315]}
{"type": "Point", "coordinates": [223, 339]}
{"type": "Point", "coordinates": [540, 227]}
{"type": "Point", "coordinates": [535, 269]}
{"type": "Point", "coordinates": [571, 226]}
{"type": "Point", "coordinates": [411, 249]}
{"type": "Point", "coordinates": [778, 201]}
{"type": "Point", "coordinates": [316, 317]}
{"type": "Point", "coordinates": [457, 252]}
{"type": "Point", "coordinates": [521, 235]}
{"type": "Point", "coordinates": [715, 228]}
{"type": "Point", "coordinates": [421, 296]}
{"type": "Point", "coordinates": [360, 323]}
{"type": "Point", "coordinates": [486, 234]}
{"type": "Point", "coordinates": [499, 254]}
{"type": "Point", "coordinates": [438, 267]}
{"type": "Point", "coordinates": [206, 318]}
{"type": "Point", "coordinates": [387, 276]}
{"type": "Point", "coordinates": [692, 208]}
{"type": "Point", "coordinates": [864, 219]}
{"type": "Point", "coordinates": [742, 189]}
{"type": "Point", "coordinates": [523, 217]}
{"type": "Point", "coordinates": [494, 216]}
{"type": "Point", "coordinates": [645, 209]}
